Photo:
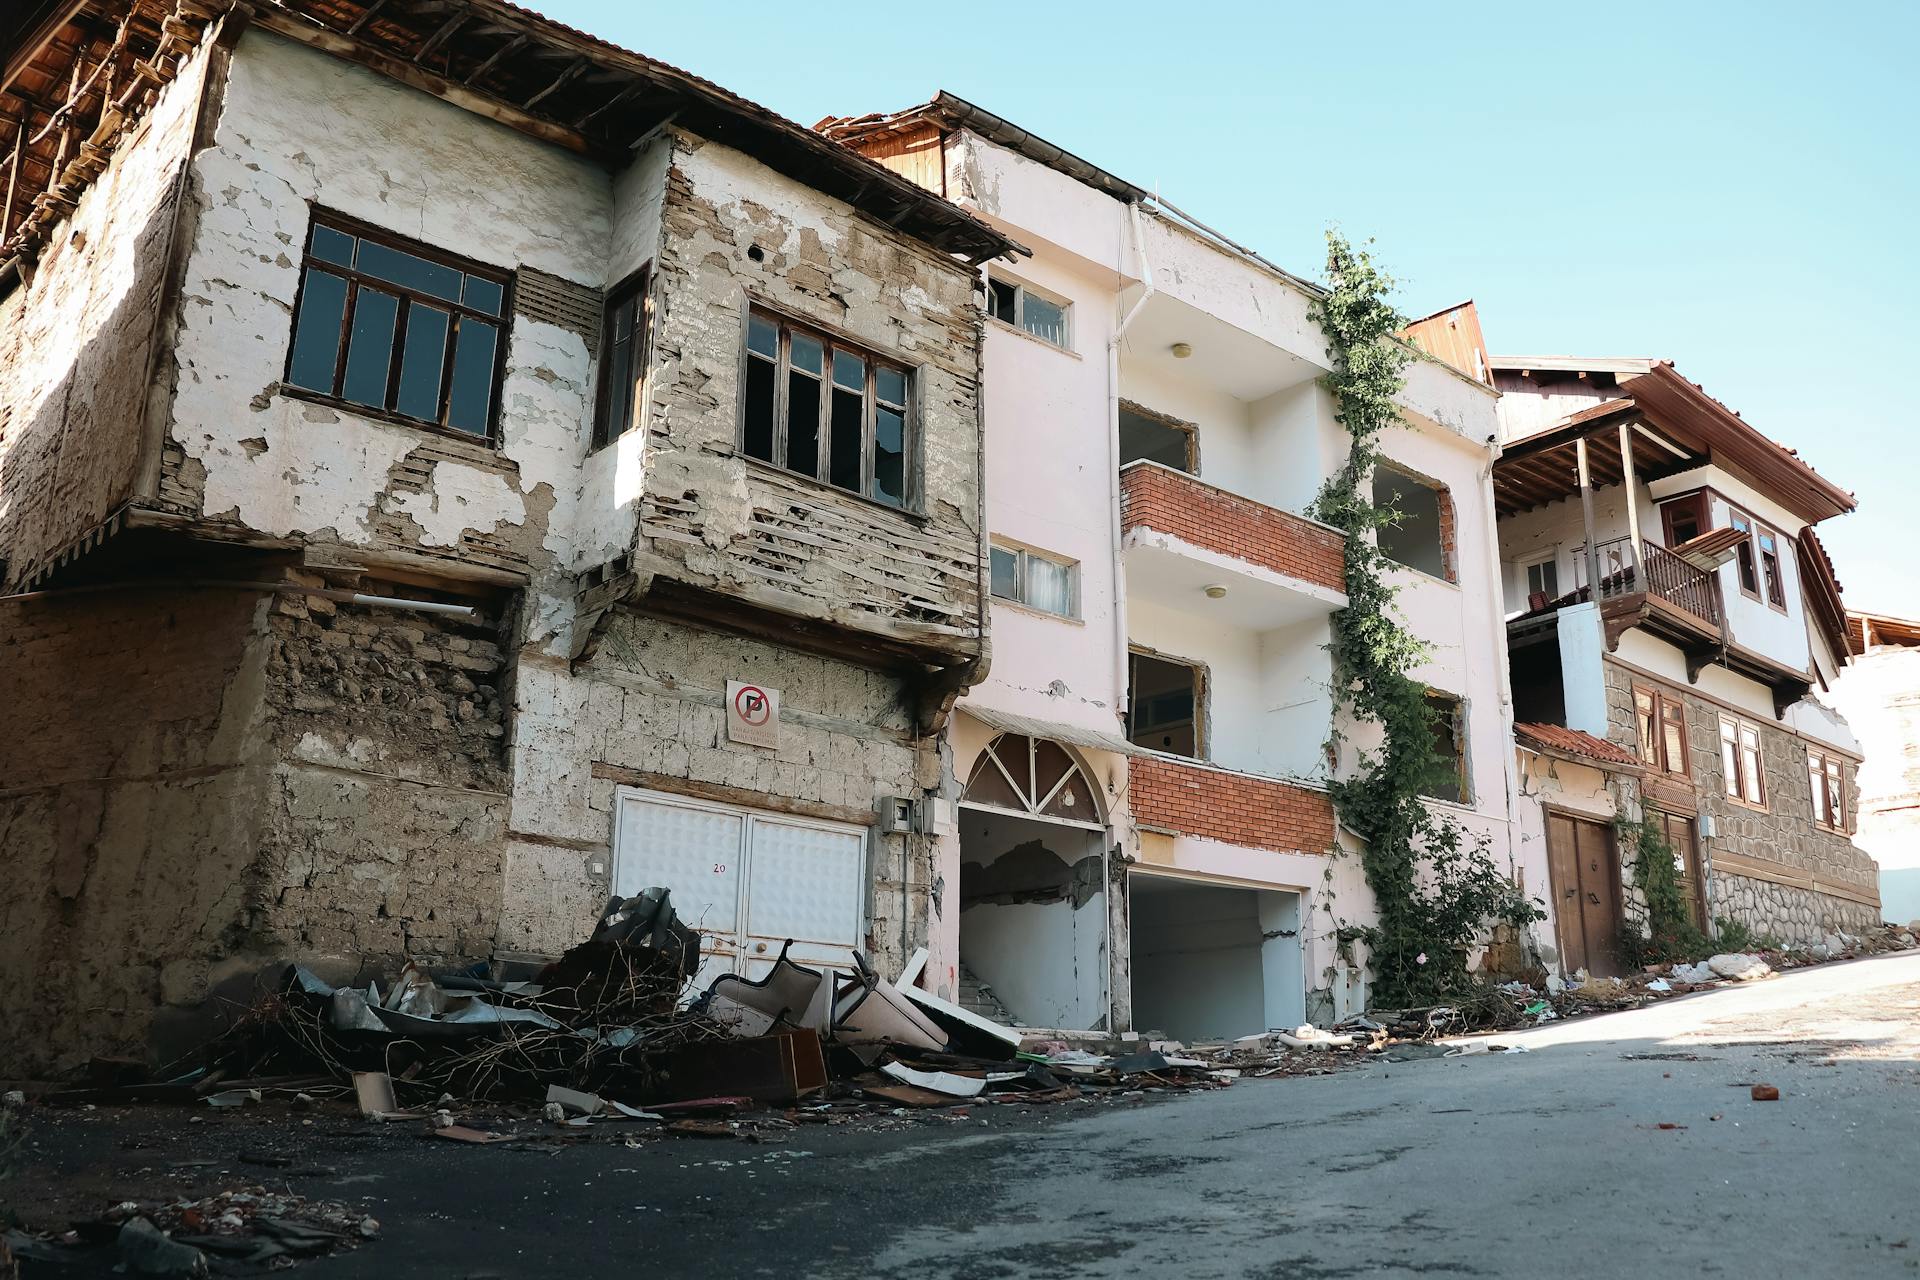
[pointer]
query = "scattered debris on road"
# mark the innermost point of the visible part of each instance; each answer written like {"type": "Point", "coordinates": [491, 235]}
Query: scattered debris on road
{"type": "Point", "coordinates": [1765, 1093]}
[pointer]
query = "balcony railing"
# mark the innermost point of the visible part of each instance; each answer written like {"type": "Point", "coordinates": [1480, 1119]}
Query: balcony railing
{"type": "Point", "coordinates": [1663, 574]}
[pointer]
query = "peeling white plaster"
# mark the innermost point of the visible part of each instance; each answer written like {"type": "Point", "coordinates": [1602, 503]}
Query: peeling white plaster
{"type": "Point", "coordinates": [458, 499]}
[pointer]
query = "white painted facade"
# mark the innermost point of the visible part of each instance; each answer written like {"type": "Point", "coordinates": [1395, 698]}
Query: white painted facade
{"type": "Point", "coordinates": [1263, 428]}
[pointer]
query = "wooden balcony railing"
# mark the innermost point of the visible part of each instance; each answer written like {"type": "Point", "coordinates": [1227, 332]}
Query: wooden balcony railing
{"type": "Point", "coordinates": [1663, 574]}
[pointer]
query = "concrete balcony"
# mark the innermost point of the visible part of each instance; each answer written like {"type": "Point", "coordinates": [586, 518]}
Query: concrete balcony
{"type": "Point", "coordinates": [1191, 798]}
{"type": "Point", "coordinates": [1182, 536]}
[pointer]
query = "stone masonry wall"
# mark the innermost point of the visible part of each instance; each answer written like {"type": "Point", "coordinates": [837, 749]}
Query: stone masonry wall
{"type": "Point", "coordinates": [387, 805]}
{"type": "Point", "coordinates": [132, 774]}
{"type": "Point", "coordinates": [1782, 898]}
{"type": "Point", "coordinates": [649, 711]}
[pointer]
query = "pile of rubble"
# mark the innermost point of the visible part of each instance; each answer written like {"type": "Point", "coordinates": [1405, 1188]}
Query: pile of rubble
{"type": "Point", "coordinates": [247, 1227]}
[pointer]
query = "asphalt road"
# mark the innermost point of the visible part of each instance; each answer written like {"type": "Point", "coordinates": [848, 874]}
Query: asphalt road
{"type": "Point", "coordinates": [1544, 1163]}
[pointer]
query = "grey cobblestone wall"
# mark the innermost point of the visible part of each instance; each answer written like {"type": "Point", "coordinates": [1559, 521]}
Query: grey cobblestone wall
{"type": "Point", "coordinates": [1782, 834]}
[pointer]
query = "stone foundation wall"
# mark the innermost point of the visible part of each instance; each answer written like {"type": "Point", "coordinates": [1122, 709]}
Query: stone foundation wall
{"type": "Point", "coordinates": [383, 829]}
{"type": "Point", "coordinates": [1780, 839]}
{"type": "Point", "coordinates": [1783, 913]}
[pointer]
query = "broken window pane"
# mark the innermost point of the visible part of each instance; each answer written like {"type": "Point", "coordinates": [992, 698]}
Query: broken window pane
{"type": "Point", "coordinates": [803, 418]}
{"type": "Point", "coordinates": [409, 270]}
{"type": "Point", "coordinates": [470, 399]}
{"type": "Point", "coordinates": [316, 333]}
{"type": "Point", "coordinates": [848, 418]}
{"type": "Point", "coordinates": [890, 457]}
{"type": "Point", "coordinates": [332, 246]}
{"type": "Point", "coordinates": [759, 425]}
{"type": "Point", "coordinates": [422, 362]}
{"type": "Point", "coordinates": [485, 295]}
{"type": "Point", "coordinates": [370, 348]}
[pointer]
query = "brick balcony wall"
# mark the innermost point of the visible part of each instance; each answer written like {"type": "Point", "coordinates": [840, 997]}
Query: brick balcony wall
{"type": "Point", "coordinates": [1197, 513]}
{"type": "Point", "coordinates": [1254, 813]}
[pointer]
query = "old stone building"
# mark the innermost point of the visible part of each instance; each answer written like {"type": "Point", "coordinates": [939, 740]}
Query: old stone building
{"type": "Point", "coordinates": [450, 473]}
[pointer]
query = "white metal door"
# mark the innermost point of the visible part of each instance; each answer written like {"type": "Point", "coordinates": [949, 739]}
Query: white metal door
{"type": "Point", "coordinates": [806, 884]}
{"type": "Point", "coordinates": [695, 852]}
{"type": "Point", "coordinates": [747, 880]}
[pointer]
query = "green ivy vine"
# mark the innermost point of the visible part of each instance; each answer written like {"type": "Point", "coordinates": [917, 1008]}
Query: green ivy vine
{"type": "Point", "coordinates": [1435, 889]}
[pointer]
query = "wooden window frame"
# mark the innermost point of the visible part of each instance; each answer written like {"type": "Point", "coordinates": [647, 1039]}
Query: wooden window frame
{"type": "Point", "coordinates": [1697, 504]}
{"type": "Point", "coordinates": [503, 322]}
{"type": "Point", "coordinates": [1736, 517]}
{"type": "Point", "coordinates": [786, 326]}
{"type": "Point", "coordinates": [1456, 712]}
{"type": "Point", "coordinates": [1539, 559]}
{"type": "Point", "coordinates": [1019, 322]}
{"type": "Point", "coordinates": [637, 288]}
{"type": "Point", "coordinates": [1827, 780]}
{"type": "Point", "coordinates": [1202, 688]}
{"type": "Point", "coordinates": [1774, 580]}
{"type": "Point", "coordinates": [1023, 556]}
{"type": "Point", "coordinates": [1734, 772]}
{"type": "Point", "coordinates": [1667, 708]}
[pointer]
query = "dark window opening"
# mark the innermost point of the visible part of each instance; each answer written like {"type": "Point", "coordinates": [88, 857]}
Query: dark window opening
{"type": "Point", "coordinates": [1145, 438]}
{"type": "Point", "coordinates": [1770, 569]}
{"type": "Point", "coordinates": [1164, 705]}
{"type": "Point", "coordinates": [820, 408]}
{"type": "Point", "coordinates": [1743, 555]}
{"type": "Point", "coordinates": [1447, 715]}
{"type": "Point", "coordinates": [625, 332]}
{"type": "Point", "coordinates": [1415, 538]}
{"type": "Point", "coordinates": [398, 328]}
{"type": "Point", "coordinates": [1684, 519]}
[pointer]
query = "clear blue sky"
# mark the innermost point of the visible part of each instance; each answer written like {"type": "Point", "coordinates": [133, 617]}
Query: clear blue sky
{"type": "Point", "coordinates": [1732, 186]}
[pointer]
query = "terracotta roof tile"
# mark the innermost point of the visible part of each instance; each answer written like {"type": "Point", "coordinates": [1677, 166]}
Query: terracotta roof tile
{"type": "Point", "coordinates": [1572, 742]}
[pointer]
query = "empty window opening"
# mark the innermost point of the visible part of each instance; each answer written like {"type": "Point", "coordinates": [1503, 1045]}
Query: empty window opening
{"type": "Point", "coordinates": [1165, 702]}
{"type": "Point", "coordinates": [824, 409]}
{"type": "Point", "coordinates": [1018, 305]}
{"type": "Point", "coordinates": [1748, 565]}
{"type": "Point", "coordinates": [398, 328]}
{"type": "Point", "coordinates": [1037, 581]}
{"type": "Point", "coordinates": [1770, 568]}
{"type": "Point", "coordinates": [1147, 437]}
{"type": "Point", "coordinates": [624, 331]}
{"type": "Point", "coordinates": [1448, 718]}
{"type": "Point", "coordinates": [1213, 962]}
{"type": "Point", "coordinates": [1419, 538]}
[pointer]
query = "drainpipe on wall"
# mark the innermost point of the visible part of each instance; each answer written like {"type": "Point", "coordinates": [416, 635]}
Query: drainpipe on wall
{"type": "Point", "coordinates": [1113, 451]}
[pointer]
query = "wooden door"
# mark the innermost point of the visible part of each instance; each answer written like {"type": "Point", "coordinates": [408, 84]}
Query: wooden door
{"type": "Point", "coordinates": [1586, 893]}
{"type": "Point", "coordinates": [1683, 838]}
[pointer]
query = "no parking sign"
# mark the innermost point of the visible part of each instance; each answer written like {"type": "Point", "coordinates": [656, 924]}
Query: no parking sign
{"type": "Point", "coordinates": [753, 714]}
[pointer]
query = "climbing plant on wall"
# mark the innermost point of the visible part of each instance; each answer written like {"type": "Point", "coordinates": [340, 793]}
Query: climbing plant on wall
{"type": "Point", "coordinates": [1435, 888]}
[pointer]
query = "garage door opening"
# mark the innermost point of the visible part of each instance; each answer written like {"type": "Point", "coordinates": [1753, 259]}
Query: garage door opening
{"type": "Point", "coordinates": [1214, 962]}
{"type": "Point", "coordinates": [1033, 900]}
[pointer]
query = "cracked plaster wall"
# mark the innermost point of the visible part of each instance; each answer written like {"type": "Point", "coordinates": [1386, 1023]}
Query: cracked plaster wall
{"type": "Point", "coordinates": [755, 532]}
{"type": "Point", "coordinates": [298, 129]}
{"type": "Point", "coordinates": [76, 343]}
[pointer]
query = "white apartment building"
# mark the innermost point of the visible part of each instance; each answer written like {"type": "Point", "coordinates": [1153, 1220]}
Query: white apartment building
{"type": "Point", "coordinates": [1145, 835]}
